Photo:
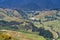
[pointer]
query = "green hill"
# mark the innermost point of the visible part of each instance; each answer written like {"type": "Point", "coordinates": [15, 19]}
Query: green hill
{"type": "Point", "coordinates": [10, 15]}
{"type": "Point", "coordinates": [5, 34]}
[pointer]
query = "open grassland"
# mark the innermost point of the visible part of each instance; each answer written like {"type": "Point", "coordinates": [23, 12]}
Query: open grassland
{"type": "Point", "coordinates": [19, 35]}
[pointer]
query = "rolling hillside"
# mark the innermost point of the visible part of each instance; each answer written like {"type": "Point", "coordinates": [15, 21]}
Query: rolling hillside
{"type": "Point", "coordinates": [29, 19]}
{"type": "Point", "coordinates": [37, 23]}
{"type": "Point", "coordinates": [19, 35]}
{"type": "Point", "coordinates": [10, 15]}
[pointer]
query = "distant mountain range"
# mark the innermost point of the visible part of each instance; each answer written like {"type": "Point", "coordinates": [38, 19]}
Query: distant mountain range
{"type": "Point", "coordinates": [30, 4]}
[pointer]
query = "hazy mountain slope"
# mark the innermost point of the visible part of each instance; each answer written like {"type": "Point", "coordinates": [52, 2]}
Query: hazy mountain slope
{"type": "Point", "coordinates": [32, 6]}
{"type": "Point", "coordinates": [43, 4]}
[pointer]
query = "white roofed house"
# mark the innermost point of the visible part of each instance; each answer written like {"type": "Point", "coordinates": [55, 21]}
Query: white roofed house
{"type": "Point", "coordinates": [33, 18]}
